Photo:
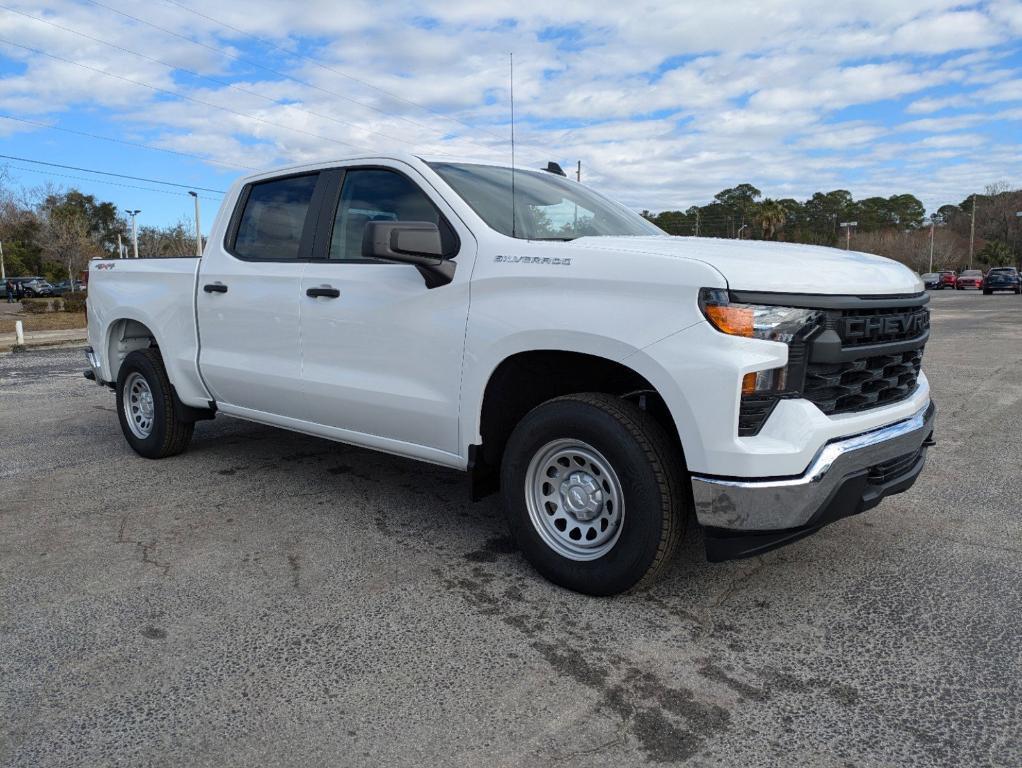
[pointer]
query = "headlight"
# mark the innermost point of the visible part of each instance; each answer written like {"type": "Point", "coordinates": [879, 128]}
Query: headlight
{"type": "Point", "coordinates": [755, 321]}
{"type": "Point", "coordinates": [762, 390]}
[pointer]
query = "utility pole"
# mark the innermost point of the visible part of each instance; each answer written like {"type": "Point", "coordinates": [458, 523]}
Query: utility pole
{"type": "Point", "coordinates": [972, 231]}
{"type": "Point", "coordinates": [3, 271]}
{"type": "Point", "coordinates": [697, 222]}
{"type": "Point", "coordinates": [848, 233]}
{"type": "Point", "coordinates": [933, 225]}
{"type": "Point", "coordinates": [134, 230]}
{"type": "Point", "coordinates": [578, 171]}
{"type": "Point", "coordinates": [198, 228]}
{"type": "Point", "coordinates": [120, 248]}
{"type": "Point", "coordinates": [1018, 215]}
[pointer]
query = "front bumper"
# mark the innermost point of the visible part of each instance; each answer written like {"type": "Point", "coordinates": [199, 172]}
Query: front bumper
{"type": "Point", "coordinates": [744, 517]}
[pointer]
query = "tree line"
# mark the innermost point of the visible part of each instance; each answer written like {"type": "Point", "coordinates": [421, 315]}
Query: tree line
{"type": "Point", "coordinates": [895, 226]}
{"type": "Point", "coordinates": [53, 232]}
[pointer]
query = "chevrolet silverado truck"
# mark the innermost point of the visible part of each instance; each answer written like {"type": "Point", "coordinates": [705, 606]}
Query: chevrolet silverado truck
{"type": "Point", "coordinates": [609, 381]}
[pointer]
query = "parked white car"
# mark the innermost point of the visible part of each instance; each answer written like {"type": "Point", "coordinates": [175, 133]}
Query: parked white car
{"type": "Point", "coordinates": [609, 380]}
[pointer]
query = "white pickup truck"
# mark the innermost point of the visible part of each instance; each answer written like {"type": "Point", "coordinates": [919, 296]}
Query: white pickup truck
{"type": "Point", "coordinates": [609, 380]}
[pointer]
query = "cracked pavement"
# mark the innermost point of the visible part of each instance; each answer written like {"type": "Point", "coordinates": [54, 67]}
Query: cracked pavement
{"type": "Point", "coordinates": [274, 599]}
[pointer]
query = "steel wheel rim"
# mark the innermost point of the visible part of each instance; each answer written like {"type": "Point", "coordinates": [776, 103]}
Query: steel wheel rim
{"type": "Point", "coordinates": [574, 499]}
{"type": "Point", "coordinates": [139, 409]}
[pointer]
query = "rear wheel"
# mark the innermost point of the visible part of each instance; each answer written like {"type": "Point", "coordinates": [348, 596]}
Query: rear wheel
{"type": "Point", "coordinates": [593, 493]}
{"type": "Point", "coordinates": [987, 293]}
{"type": "Point", "coordinates": [145, 407]}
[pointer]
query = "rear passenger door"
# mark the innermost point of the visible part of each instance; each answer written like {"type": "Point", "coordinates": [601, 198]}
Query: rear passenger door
{"type": "Point", "coordinates": [248, 298]}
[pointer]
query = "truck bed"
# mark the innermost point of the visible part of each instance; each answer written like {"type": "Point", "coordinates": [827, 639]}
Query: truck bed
{"type": "Point", "coordinates": [134, 300]}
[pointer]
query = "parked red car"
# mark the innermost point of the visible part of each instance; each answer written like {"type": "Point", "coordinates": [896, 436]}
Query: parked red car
{"type": "Point", "coordinates": [970, 278]}
{"type": "Point", "coordinates": [948, 279]}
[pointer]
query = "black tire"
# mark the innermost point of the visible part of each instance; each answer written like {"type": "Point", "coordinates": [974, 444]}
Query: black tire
{"type": "Point", "coordinates": [168, 435]}
{"type": "Point", "coordinates": [650, 470]}
{"type": "Point", "coordinates": [987, 293]}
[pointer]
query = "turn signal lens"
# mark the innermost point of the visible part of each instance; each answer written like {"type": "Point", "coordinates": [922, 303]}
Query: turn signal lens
{"type": "Point", "coordinates": [732, 320]}
{"type": "Point", "coordinates": [748, 383]}
{"type": "Point", "coordinates": [771, 380]}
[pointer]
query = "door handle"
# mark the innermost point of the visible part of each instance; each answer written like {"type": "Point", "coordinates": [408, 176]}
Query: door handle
{"type": "Point", "coordinates": [214, 288]}
{"type": "Point", "coordinates": [326, 292]}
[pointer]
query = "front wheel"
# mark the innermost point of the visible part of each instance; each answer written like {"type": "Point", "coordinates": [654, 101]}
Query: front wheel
{"type": "Point", "coordinates": [145, 407]}
{"type": "Point", "coordinates": [593, 493]}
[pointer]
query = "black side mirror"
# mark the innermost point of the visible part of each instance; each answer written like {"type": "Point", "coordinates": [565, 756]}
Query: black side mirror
{"type": "Point", "coordinates": [409, 242]}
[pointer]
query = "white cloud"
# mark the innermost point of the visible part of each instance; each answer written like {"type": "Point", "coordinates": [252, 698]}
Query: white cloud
{"type": "Point", "coordinates": [665, 104]}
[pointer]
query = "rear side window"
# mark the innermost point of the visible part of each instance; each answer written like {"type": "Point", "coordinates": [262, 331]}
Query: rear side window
{"type": "Point", "coordinates": [272, 222]}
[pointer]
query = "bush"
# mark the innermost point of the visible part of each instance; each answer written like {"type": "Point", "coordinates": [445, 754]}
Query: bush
{"type": "Point", "coordinates": [36, 306]}
{"type": "Point", "coordinates": [74, 302]}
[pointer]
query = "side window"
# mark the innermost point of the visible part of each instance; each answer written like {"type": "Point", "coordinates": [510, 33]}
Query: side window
{"type": "Point", "coordinates": [373, 194]}
{"type": "Point", "coordinates": [274, 217]}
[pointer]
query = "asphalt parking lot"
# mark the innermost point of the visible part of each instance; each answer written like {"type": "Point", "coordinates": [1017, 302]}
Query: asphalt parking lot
{"type": "Point", "coordinates": [274, 599]}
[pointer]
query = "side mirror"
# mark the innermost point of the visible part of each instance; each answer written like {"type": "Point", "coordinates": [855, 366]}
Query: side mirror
{"type": "Point", "coordinates": [409, 242]}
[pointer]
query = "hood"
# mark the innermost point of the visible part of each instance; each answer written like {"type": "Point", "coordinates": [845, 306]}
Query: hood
{"type": "Point", "coordinates": [757, 265]}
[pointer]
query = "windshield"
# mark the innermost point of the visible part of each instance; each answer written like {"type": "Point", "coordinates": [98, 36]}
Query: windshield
{"type": "Point", "coordinates": [930, 276]}
{"type": "Point", "coordinates": [546, 206]}
{"type": "Point", "coordinates": [1002, 271]}
{"type": "Point", "coordinates": [972, 273]}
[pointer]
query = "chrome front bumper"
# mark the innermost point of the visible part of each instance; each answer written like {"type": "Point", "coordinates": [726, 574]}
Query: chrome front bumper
{"type": "Point", "coordinates": [846, 477]}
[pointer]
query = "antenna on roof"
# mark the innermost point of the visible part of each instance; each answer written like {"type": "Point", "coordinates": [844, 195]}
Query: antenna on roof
{"type": "Point", "coordinates": [511, 60]}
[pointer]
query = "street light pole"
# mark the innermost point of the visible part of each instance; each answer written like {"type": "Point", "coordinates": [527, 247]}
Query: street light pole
{"type": "Point", "coordinates": [134, 231]}
{"type": "Point", "coordinates": [3, 271]}
{"type": "Point", "coordinates": [198, 227]}
{"type": "Point", "coordinates": [972, 231]}
{"type": "Point", "coordinates": [932, 225]}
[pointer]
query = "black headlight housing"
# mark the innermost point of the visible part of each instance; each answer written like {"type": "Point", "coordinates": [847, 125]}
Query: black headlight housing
{"type": "Point", "coordinates": [793, 326]}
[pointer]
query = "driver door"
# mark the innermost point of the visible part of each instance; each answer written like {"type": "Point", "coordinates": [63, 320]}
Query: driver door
{"type": "Point", "coordinates": [381, 352]}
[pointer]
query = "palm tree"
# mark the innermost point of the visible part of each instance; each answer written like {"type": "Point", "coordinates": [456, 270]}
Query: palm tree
{"type": "Point", "coordinates": [771, 218]}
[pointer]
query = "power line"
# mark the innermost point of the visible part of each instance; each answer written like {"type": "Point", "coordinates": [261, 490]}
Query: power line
{"type": "Point", "coordinates": [101, 181]}
{"type": "Point", "coordinates": [177, 94]}
{"type": "Point", "coordinates": [332, 70]}
{"type": "Point", "coordinates": [279, 102]}
{"type": "Point", "coordinates": [140, 145]}
{"type": "Point", "coordinates": [251, 63]}
{"type": "Point", "coordinates": [110, 173]}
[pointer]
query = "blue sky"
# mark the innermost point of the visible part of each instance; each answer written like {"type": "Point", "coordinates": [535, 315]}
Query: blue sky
{"type": "Point", "coordinates": [663, 104]}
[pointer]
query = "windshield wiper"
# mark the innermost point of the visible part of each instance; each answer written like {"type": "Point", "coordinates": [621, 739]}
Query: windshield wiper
{"type": "Point", "coordinates": [560, 239]}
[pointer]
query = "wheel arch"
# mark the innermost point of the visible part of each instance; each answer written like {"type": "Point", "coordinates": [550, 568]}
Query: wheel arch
{"type": "Point", "coordinates": [520, 381]}
{"type": "Point", "coordinates": [124, 336]}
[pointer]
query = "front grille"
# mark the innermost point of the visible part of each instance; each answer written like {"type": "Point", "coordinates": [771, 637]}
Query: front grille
{"type": "Point", "coordinates": [859, 327]}
{"type": "Point", "coordinates": [861, 353]}
{"type": "Point", "coordinates": [866, 382]}
{"type": "Point", "coordinates": [892, 469]}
